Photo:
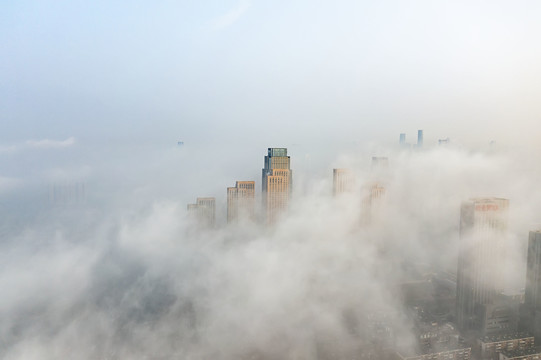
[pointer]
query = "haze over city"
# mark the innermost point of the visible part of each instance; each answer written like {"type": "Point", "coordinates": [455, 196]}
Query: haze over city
{"type": "Point", "coordinates": [117, 116]}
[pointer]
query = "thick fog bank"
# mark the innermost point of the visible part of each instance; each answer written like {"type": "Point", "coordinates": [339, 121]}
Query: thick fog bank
{"type": "Point", "coordinates": [123, 273]}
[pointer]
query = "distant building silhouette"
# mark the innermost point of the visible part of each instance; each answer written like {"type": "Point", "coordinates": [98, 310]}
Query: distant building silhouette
{"type": "Point", "coordinates": [419, 138]}
{"type": "Point", "coordinates": [276, 183]}
{"type": "Point", "coordinates": [69, 193]}
{"type": "Point", "coordinates": [483, 225]}
{"type": "Point", "coordinates": [343, 181]}
{"type": "Point", "coordinates": [241, 201]}
{"type": "Point", "coordinates": [445, 141]}
{"type": "Point", "coordinates": [402, 139]}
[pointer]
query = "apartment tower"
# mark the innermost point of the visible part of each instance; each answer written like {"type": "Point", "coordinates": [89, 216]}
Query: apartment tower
{"type": "Point", "coordinates": [276, 183]}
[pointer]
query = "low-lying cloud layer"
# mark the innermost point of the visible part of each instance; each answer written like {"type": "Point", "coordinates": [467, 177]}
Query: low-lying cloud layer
{"type": "Point", "coordinates": [125, 275]}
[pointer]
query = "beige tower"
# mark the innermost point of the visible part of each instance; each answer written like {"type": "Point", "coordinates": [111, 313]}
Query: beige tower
{"type": "Point", "coordinates": [276, 183]}
{"type": "Point", "coordinates": [204, 211]}
{"type": "Point", "coordinates": [241, 201]}
{"type": "Point", "coordinates": [483, 227]}
{"type": "Point", "coordinates": [343, 181]}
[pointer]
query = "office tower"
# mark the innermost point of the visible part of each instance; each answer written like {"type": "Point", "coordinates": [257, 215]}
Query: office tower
{"type": "Point", "coordinates": [241, 201]}
{"type": "Point", "coordinates": [531, 312]}
{"type": "Point", "coordinates": [204, 211]}
{"type": "Point", "coordinates": [402, 139]}
{"type": "Point", "coordinates": [343, 181]}
{"type": "Point", "coordinates": [276, 183]}
{"type": "Point", "coordinates": [419, 138]}
{"type": "Point", "coordinates": [483, 225]}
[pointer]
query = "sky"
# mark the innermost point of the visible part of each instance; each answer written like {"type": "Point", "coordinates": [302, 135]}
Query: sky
{"type": "Point", "coordinates": [282, 72]}
{"type": "Point", "coordinates": [99, 93]}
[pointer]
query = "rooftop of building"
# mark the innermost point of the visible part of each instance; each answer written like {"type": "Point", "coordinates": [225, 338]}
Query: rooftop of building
{"type": "Point", "coordinates": [519, 353]}
{"type": "Point", "coordinates": [406, 353]}
{"type": "Point", "coordinates": [487, 199]}
{"type": "Point", "coordinates": [505, 337]}
{"type": "Point", "coordinates": [277, 151]}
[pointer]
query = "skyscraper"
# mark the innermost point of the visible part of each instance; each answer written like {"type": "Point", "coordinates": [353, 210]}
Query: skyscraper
{"type": "Point", "coordinates": [532, 297]}
{"type": "Point", "coordinates": [276, 183]}
{"type": "Point", "coordinates": [343, 181]}
{"type": "Point", "coordinates": [419, 138]}
{"type": "Point", "coordinates": [240, 201]}
{"type": "Point", "coordinates": [483, 225]}
{"type": "Point", "coordinates": [402, 139]}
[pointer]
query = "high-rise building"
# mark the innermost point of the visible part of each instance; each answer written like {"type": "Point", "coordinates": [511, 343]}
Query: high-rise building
{"type": "Point", "coordinates": [204, 211]}
{"type": "Point", "coordinates": [531, 312]}
{"type": "Point", "coordinates": [241, 201]}
{"type": "Point", "coordinates": [419, 138]}
{"type": "Point", "coordinates": [276, 183]}
{"type": "Point", "coordinates": [343, 181]}
{"type": "Point", "coordinates": [402, 139]}
{"type": "Point", "coordinates": [483, 226]}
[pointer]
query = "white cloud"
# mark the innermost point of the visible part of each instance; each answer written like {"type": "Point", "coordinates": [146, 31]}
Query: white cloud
{"type": "Point", "coordinates": [51, 144]}
{"type": "Point", "coordinates": [231, 16]}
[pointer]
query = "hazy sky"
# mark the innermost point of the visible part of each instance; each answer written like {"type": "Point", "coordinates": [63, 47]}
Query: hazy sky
{"type": "Point", "coordinates": [269, 72]}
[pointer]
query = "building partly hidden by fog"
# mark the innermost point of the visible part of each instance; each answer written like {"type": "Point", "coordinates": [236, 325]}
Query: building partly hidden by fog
{"type": "Point", "coordinates": [481, 306]}
{"type": "Point", "coordinates": [241, 201]}
{"type": "Point", "coordinates": [67, 193]}
{"type": "Point", "coordinates": [531, 311]}
{"type": "Point", "coordinates": [276, 183]}
{"type": "Point", "coordinates": [203, 211]}
{"type": "Point", "coordinates": [343, 181]}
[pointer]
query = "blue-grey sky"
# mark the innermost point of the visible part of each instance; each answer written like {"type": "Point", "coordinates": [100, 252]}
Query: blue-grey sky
{"type": "Point", "coordinates": [283, 71]}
